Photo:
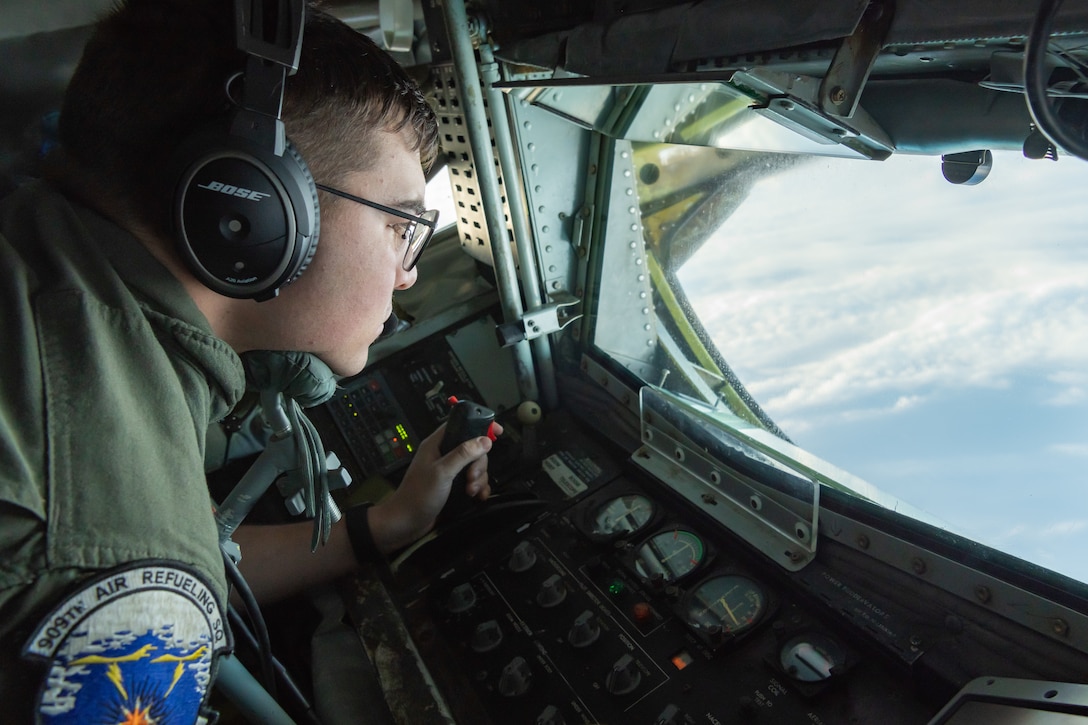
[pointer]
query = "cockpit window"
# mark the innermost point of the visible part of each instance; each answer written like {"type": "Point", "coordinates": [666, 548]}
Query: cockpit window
{"type": "Point", "coordinates": [929, 338]}
{"type": "Point", "coordinates": [440, 196]}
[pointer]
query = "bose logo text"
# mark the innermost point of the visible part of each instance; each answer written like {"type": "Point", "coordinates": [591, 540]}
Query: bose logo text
{"type": "Point", "coordinates": [234, 190]}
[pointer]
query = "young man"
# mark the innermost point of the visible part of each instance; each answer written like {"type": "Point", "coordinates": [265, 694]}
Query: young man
{"type": "Point", "coordinates": [112, 589]}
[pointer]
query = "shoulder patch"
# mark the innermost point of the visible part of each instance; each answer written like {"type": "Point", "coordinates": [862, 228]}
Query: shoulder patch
{"type": "Point", "coordinates": [136, 645]}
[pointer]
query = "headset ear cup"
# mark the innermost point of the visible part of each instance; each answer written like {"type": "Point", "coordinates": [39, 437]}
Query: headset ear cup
{"type": "Point", "coordinates": [245, 220]}
{"type": "Point", "coordinates": [315, 207]}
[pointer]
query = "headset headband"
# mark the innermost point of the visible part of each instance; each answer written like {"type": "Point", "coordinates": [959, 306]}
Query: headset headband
{"type": "Point", "coordinates": [269, 32]}
{"type": "Point", "coordinates": [246, 216]}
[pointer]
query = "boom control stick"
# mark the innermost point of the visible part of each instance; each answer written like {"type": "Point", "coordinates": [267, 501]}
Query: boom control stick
{"type": "Point", "coordinates": [467, 420]}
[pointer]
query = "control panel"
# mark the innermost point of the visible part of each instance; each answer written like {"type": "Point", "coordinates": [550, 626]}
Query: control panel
{"type": "Point", "coordinates": [611, 602]}
{"type": "Point", "coordinates": [384, 413]}
{"type": "Point", "coordinates": [374, 425]}
{"type": "Point", "coordinates": [586, 590]}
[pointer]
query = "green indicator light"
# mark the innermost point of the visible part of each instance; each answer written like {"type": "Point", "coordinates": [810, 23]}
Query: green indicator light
{"type": "Point", "coordinates": [616, 588]}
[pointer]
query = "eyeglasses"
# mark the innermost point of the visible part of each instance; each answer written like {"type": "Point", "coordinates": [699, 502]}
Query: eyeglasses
{"type": "Point", "coordinates": [417, 229]}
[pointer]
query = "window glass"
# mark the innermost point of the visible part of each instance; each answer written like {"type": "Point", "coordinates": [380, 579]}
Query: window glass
{"type": "Point", "coordinates": [439, 196]}
{"type": "Point", "coordinates": [929, 338]}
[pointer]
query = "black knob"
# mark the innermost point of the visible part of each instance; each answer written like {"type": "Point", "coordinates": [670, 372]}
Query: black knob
{"type": "Point", "coordinates": [584, 631]}
{"type": "Point", "coordinates": [461, 599]}
{"type": "Point", "coordinates": [488, 636]}
{"type": "Point", "coordinates": [551, 716]}
{"type": "Point", "coordinates": [624, 676]}
{"type": "Point", "coordinates": [515, 678]}
{"type": "Point", "coordinates": [523, 557]}
{"type": "Point", "coordinates": [552, 592]}
{"type": "Point", "coordinates": [669, 716]}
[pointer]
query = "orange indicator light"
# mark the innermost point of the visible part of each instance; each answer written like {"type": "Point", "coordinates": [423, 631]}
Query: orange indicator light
{"type": "Point", "coordinates": [680, 660]}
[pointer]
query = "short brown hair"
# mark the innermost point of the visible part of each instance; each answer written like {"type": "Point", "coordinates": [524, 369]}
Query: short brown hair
{"type": "Point", "coordinates": [155, 70]}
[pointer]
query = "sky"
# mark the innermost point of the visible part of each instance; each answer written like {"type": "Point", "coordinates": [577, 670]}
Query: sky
{"type": "Point", "coordinates": [929, 338]}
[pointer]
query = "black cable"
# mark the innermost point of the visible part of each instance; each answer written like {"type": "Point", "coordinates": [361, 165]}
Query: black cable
{"type": "Point", "coordinates": [239, 627]}
{"type": "Point", "coordinates": [250, 602]}
{"type": "Point", "coordinates": [1036, 83]}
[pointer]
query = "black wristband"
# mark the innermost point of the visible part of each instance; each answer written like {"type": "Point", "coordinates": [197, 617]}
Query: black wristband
{"type": "Point", "coordinates": [358, 528]}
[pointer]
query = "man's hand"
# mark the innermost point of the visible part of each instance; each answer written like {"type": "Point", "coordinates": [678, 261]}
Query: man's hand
{"type": "Point", "coordinates": [410, 511]}
{"type": "Point", "coordinates": [277, 561]}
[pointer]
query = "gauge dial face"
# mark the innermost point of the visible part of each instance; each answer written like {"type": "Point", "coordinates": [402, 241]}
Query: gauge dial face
{"type": "Point", "coordinates": [670, 555]}
{"type": "Point", "coordinates": [623, 515]}
{"type": "Point", "coordinates": [731, 603]}
{"type": "Point", "coordinates": [810, 657]}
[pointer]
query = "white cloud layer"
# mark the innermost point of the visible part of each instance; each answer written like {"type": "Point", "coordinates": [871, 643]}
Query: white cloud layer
{"type": "Point", "coordinates": [847, 291]}
{"type": "Point", "coordinates": [900, 301]}
{"type": "Point", "coordinates": [1079, 450]}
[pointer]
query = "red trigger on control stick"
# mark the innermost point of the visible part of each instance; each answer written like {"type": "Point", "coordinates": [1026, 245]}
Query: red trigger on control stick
{"type": "Point", "coordinates": [476, 411]}
{"type": "Point", "coordinates": [467, 420]}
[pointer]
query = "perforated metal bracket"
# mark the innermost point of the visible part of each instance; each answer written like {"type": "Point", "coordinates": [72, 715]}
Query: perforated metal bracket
{"type": "Point", "coordinates": [543, 320]}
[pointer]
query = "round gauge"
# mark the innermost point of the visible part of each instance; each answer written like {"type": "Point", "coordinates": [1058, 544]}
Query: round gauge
{"type": "Point", "coordinates": [670, 555]}
{"type": "Point", "coordinates": [729, 604]}
{"type": "Point", "coordinates": [810, 657]}
{"type": "Point", "coordinates": [622, 515]}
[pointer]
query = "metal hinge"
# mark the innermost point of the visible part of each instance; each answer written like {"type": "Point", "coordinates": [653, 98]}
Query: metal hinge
{"type": "Point", "coordinates": [542, 321]}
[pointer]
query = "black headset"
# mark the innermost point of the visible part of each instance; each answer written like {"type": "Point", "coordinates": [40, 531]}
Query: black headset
{"type": "Point", "coordinates": [245, 209]}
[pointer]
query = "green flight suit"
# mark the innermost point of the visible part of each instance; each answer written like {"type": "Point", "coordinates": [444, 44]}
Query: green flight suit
{"type": "Point", "coordinates": [109, 378]}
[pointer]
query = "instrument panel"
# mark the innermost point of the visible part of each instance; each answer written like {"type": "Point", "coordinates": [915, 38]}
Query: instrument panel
{"type": "Point", "coordinates": [618, 605]}
{"type": "Point", "coordinates": [585, 591]}
{"type": "Point", "coordinates": [588, 591]}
